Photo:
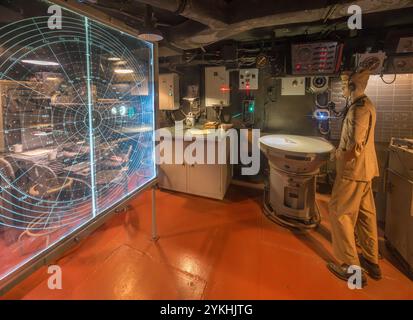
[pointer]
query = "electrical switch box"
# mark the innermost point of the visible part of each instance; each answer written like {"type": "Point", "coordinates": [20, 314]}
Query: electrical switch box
{"type": "Point", "coordinates": [217, 89]}
{"type": "Point", "coordinates": [169, 91]}
{"type": "Point", "coordinates": [405, 45]}
{"type": "Point", "coordinates": [248, 79]}
{"type": "Point", "coordinates": [293, 86]}
{"type": "Point", "coordinates": [371, 61]}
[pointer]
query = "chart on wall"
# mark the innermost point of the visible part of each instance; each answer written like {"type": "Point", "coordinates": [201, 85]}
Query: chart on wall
{"type": "Point", "coordinates": [76, 126]}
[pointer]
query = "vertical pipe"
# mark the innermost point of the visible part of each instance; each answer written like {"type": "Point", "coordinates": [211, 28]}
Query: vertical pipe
{"type": "Point", "coordinates": [90, 114]}
{"type": "Point", "coordinates": [154, 221]}
{"type": "Point", "coordinates": [155, 100]}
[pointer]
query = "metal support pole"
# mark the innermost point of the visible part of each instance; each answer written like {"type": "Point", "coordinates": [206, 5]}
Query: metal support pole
{"type": "Point", "coordinates": [155, 236]}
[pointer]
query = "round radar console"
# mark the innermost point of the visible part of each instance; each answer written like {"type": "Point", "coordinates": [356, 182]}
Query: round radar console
{"type": "Point", "coordinates": [295, 162]}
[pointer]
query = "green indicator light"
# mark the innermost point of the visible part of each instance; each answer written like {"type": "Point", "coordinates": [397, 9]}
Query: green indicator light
{"type": "Point", "coordinates": [251, 106]}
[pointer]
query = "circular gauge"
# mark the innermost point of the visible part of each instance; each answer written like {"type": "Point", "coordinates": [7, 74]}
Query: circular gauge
{"type": "Point", "coordinates": [262, 61]}
{"type": "Point", "coordinates": [304, 54]}
{"type": "Point", "coordinates": [371, 63]}
{"type": "Point", "coordinates": [319, 82]}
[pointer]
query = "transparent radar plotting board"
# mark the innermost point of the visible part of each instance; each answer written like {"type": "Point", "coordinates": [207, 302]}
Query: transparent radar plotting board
{"type": "Point", "coordinates": [76, 128]}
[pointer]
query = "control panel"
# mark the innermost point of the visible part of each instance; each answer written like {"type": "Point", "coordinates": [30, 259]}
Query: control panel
{"type": "Point", "coordinates": [293, 86]}
{"type": "Point", "coordinates": [248, 79]}
{"type": "Point", "coordinates": [217, 90]}
{"type": "Point", "coordinates": [316, 58]}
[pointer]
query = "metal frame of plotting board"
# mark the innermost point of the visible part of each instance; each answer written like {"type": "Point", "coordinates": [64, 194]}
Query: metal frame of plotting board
{"type": "Point", "coordinates": [54, 252]}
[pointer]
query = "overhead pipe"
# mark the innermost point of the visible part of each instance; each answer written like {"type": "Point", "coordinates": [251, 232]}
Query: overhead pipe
{"type": "Point", "coordinates": [196, 10]}
{"type": "Point", "coordinates": [216, 26]}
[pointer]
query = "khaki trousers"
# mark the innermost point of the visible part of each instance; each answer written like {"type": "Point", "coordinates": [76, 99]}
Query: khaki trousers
{"type": "Point", "coordinates": [352, 211]}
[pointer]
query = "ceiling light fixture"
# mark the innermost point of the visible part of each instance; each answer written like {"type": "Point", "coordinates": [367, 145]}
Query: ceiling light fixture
{"type": "Point", "coordinates": [124, 71]}
{"type": "Point", "coordinates": [149, 32]}
{"type": "Point", "coordinates": [41, 63]}
{"type": "Point", "coordinates": [120, 63]}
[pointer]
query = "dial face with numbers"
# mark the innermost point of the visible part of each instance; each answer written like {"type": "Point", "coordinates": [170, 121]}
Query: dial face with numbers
{"type": "Point", "coordinates": [304, 54]}
{"type": "Point", "coordinates": [371, 63]}
{"type": "Point", "coordinates": [77, 123]}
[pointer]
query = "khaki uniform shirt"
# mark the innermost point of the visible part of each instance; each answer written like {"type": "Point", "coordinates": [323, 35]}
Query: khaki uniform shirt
{"type": "Point", "coordinates": [358, 134]}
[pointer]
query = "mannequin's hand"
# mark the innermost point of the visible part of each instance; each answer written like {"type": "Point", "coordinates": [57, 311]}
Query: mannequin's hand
{"type": "Point", "coordinates": [347, 155]}
{"type": "Point", "coordinates": [339, 154]}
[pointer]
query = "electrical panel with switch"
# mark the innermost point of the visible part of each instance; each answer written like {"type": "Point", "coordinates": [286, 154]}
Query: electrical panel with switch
{"type": "Point", "coordinates": [293, 86]}
{"type": "Point", "coordinates": [248, 79]}
{"type": "Point", "coordinates": [371, 61]}
{"type": "Point", "coordinates": [217, 89]}
{"type": "Point", "coordinates": [169, 91]}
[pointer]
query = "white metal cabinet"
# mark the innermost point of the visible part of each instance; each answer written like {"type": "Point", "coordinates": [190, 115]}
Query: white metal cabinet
{"type": "Point", "coordinates": [399, 218]}
{"type": "Point", "coordinates": [173, 177]}
{"type": "Point", "coordinates": [206, 180]}
{"type": "Point", "coordinates": [399, 206]}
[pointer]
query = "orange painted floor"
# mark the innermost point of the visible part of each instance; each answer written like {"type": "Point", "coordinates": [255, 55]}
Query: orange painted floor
{"type": "Point", "coordinates": [208, 250]}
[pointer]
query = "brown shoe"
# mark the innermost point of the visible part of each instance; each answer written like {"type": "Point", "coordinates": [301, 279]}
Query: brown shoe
{"type": "Point", "coordinates": [373, 270]}
{"type": "Point", "coordinates": [342, 273]}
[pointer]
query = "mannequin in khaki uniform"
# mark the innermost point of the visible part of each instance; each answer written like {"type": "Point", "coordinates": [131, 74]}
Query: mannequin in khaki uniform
{"type": "Point", "coordinates": [352, 208]}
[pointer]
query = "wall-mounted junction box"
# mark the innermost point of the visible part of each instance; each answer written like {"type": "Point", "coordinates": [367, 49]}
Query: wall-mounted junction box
{"type": "Point", "coordinates": [400, 64]}
{"type": "Point", "coordinates": [169, 91]}
{"type": "Point", "coordinates": [371, 61]}
{"type": "Point", "coordinates": [248, 79]}
{"type": "Point", "coordinates": [405, 45]}
{"type": "Point", "coordinates": [217, 89]}
{"type": "Point", "coordinates": [293, 86]}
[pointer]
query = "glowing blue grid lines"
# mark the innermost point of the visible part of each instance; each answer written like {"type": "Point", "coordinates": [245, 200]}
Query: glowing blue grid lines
{"type": "Point", "coordinates": [90, 110]}
{"type": "Point", "coordinates": [71, 102]}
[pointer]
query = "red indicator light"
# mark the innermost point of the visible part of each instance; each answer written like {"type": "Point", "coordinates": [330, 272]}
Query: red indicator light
{"type": "Point", "coordinates": [298, 67]}
{"type": "Point", "coordinates": [225, 88]}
